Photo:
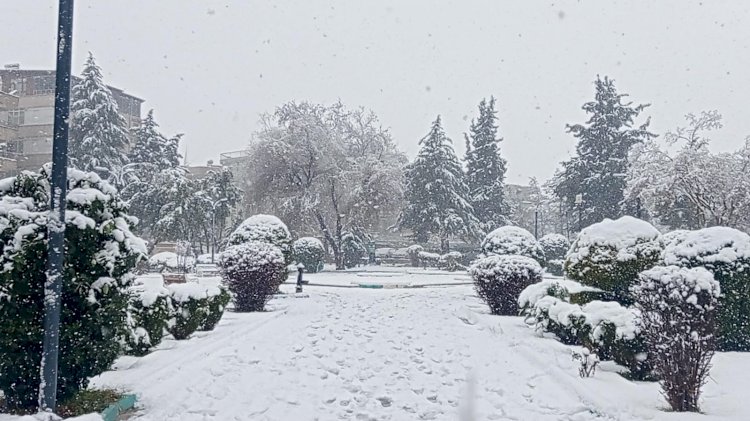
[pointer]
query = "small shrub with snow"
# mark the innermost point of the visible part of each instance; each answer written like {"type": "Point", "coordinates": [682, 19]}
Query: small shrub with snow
{"type": "Point", "coordinates": [252, 271]}
{"type": "Point", "coordinates": [149, 312]}
{"type": "Point", "coordinates": [511, 240]}
{"type": "Point", "coordinates": [413, 253]}
{"type": "Point", "coordinates": [610, 254]}
{"type": "Point", "coordinates": [725, 252]}
{"type": "Point", "coordinates": [678, 319]}
{"type": "Point", "coordinates": [267, 229]}
{"type": "Point", "coordinates": [428, 259]}
{"type": "Point", "coordinates": [309, 251]}
{"type": "Point", "coordinates": [500, 279]}
{"type": "Point", "coordinates": [555, 247]}
{"type": "Point", "coordinates": [604, 327]}
{"type": "Point", "coordinates": [101, 251]}
{"type": "Point", "coordinates": [589, 361]}
{"type": "Point", "coordinates": [452, 261]}
{"type": "Point", "coordinates": [218, 299]}
{"type": "Point", "coordinates": [353, 250]}
{"type": "Point", "coordinates": [189, 309]}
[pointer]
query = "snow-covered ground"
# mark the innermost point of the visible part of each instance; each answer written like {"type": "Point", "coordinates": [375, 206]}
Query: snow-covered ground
{"type": "Point", "coordinates": [393, 354]}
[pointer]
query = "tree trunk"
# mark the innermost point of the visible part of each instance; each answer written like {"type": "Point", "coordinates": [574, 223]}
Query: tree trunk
{"type": "Point", "coordinates": [445, 245]}
{"type": "Point", "coordinates": [330, 240]}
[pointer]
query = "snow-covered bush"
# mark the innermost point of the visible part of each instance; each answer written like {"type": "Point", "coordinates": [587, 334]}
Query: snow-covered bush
{"type": "Point", "coordinates": [555, 247]}
{"type": "Point", "coordinates": [428, 259]}
{"type": "Point", "coordinates": [218, 298]}
{"type": "Point", "coordinates": [149, 312]}
{"type": "Point", "coordinates": [169, 261]}
{"type": "Point", "coordinates": [451, 261]}
{"type": "Point", "coordinates": [413, 253]}
{"type": "Point", "coordinates": [499, 280]}
{"type": "Point", "coordinates": [353, 250]}
{"type": "Point", "coordinates": [100, 251]}
{"type": "Point", "coordinates": [190, 308]}
{"type": "Point", "coordinates": [604, 327]}
{"type": "Point", "coordinates": [678, 309]}
{"type": "Point", "coordinates": [252, 271]}
{"type": "Point", "coordinates": [725, 252]}
{"type": "Point", "coordinates": [511, 240]}
{"type": "Point", "coordinates": [310, 252]}
{"type": "Point", "coordinates": [267, 229]}
{"type": "Point", "coordinates": [610, 254]}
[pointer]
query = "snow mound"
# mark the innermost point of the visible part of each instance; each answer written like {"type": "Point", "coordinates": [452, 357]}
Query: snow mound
{"type": "Point", "coordinates": [169, 260]}
{"type": "Point", "coordinates": [619, 234]}
{"type": "Point", "coordinates": [708, 246]}
{"type": "Point", "coordinates": [308, 243]}
{"type": "Point", "coordinates": [261, 227]}
{"type": "Point", "coordinates": [677, 283]}
{"type": "Point", "coordinates": [149, 288]}
{"type": "Point", "coordinates": [505, 265]}
{"type": "Point", "coordinates": [192, 290]}
{"type": "Point", "coordinates": [539, 290]}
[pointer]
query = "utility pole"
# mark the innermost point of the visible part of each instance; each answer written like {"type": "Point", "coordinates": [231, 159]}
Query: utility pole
{"type": "Point", "coordinates": [56, 219]}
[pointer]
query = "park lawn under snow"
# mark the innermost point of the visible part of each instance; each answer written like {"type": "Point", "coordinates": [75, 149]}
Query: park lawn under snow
{"type": "Point", "coordinates": [393, 354]}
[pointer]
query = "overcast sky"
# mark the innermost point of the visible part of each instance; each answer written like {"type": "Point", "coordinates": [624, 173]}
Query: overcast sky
{"type": "Point", "coordinates": [208, 68]}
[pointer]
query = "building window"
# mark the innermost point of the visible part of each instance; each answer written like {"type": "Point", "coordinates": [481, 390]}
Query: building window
{"type": "Point", "coordinates": [44, 85]}
{"type": "Point", "coordinates": [18, 86]}
{"type": "Point", "coordinates": [16, 117]}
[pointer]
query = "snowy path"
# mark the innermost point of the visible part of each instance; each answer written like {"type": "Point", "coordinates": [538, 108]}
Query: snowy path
{"type": "Point", "coordinates": [355, 354]}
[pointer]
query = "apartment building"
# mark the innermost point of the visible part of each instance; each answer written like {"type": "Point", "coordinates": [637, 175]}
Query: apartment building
{"type": "Point", "coordinates": [31, 121]}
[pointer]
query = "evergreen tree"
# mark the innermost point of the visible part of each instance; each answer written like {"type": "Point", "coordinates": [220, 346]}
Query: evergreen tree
{"type": "Point", "coordinates": [436, 193]}
{"type": "Point", "coordinates": [485, 173]}
{"type": "Point", "coordinates": [598, 173]}
{"type": "Point", "coordinates": [98, 134]}
{"type": "Point", "coordinates": [153, 149]}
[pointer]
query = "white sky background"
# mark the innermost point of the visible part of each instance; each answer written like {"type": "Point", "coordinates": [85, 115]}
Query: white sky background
{"type": "Point", "coordinates": [208, 68]}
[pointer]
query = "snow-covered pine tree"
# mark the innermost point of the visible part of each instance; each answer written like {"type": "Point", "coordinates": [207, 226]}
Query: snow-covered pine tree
{"type": "Point", "coordinates": [153, 149]}
{"type": "Point", "coordinates": [485, 173]}
{"type": "Point", "coordinates": [436, 193]}
{"type": "Point", "coordinates": [598, 172]}
{"type": "Point", "coordinates": [98, 134]}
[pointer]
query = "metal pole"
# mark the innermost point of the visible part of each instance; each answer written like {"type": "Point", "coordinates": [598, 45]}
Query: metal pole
{"type": "Point", "coordinates": [56, 223]}
{"type": "Point", "coordinates": [536, 224]}
{"type": "Point", "coordinates": [213, 233]}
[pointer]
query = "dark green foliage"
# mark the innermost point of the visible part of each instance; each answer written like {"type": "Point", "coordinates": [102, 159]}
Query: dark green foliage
{"type": "Point", "coordinates": [88, 401]}
{"type": "Point", "coordinates": [485, 169]}
{"type": "Point", "coordinates": [216, 306]}
{"type": "Point", "coordinates": [499, 280]}
{"type": "Point", "coordinates": [556, 267]}
{"type": "Point", "coordinates": [437, 197]}
{"type": "Point", "coordinates": [188, 315]}
{"type": "Point", "coordinates": [309, 251]}
{"type": "Point", "coordinates": [353, 250]}
{"type": "Point", "coordinates": [149, 323]}
{"type": "Point", "coordinates": [604, 141]}
{"type": "Point", "coordinates": [94, 293]}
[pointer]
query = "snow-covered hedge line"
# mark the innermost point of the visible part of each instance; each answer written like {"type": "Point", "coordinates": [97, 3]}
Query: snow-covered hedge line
{"type": "Point", "coordinates": [193, 309]}
{"type": "Point", "coordinates": [309, 251]}
{"type": "Point", "coordinates": [610, 254]}
{"type": "Point", "coordinates": [499, 280]}
{"type": "Point", "coordinates": [149, 311]}
{"type": "Point", "coordinates": [252, 271]}
{"type": "Point", "coordinates": [605, 327]}
{"type": "Point", "coordinates": [511, 240]}
{"type": "Point", "coordinates": [101, 251]}
{"type": "Point", "coordinates": [725, 252]}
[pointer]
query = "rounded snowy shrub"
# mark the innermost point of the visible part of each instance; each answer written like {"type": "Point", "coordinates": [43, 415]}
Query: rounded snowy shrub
{"type": "Point", "coordinates": [725, 252]}
{"type": "Point", "coordinates": [352, 250]}
{"type": "Point", "coordinates": [499, 280]}
{"type": "Point", "coordinates": [100, 251]}
{"type": "Point", "coordinates": [149, 312]}
{"type": "Point", "coordinates": [555, 247]}
{"type": "Point", "coordinates": [678, 310]}
{"type": "Point", "coordinates": [309, 251]}
{"type": "Point", "coordinates": [610, 254]}
{"type": "Point", "coordinates": [428, 259]}
{"type": "Point", "coordinates": [265, 228]}
{"type": "Point", "coordinates": [452, 261]}
{"type": "Point", "coordinates": [251, 271]}
{"type": "Point", "coordinates": [218, 298]}
{"type": "Point", "coordinates": [189, 308]}
{"type": "Point", "coordinates": [413, 253]}
{"type": "Point", "coordinates": [511, 240]}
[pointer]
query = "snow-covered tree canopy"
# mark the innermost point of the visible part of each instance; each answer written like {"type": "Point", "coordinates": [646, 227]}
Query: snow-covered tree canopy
{"type": "Point", "coordinates": [98, 133]}
{"type": "Point", "coordinates": [485, 168]}
{"type": "Point", "coordinates": [151, 148]}
{"type": "Point", "coordinates": [436, 193]}
{"type": "Point", "coordinates": [512, 240]}
{"type": "Point", "coordinates": [597, 172]}
{"type": "Point", "coordinates": [327, 167]}
{"type": "Point", "coordinates": [683, 184]}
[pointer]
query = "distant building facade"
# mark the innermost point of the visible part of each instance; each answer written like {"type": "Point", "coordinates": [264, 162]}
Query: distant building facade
{"type": "Point", "coordinates": [29, 118]}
